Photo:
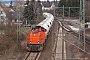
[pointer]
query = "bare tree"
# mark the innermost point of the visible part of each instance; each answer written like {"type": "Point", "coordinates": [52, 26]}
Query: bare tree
{"type": "Point", "coordinates": [1, 3]}
{"type": "Point", "coordinates": [19, 4]}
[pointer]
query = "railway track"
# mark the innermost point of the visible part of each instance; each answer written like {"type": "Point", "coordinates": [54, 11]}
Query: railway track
{"type": "Point", "coordinates": [32, 56]}
{"type": "Point", "coordinates": [28, 56]}
{"type": "Point", "coordinates": [75, 33]}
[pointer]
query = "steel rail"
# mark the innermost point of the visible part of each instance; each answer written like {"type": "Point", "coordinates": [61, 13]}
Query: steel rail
{"type": "Point", "coordinates": [26, 56]}
{"type": "Point", "coordinates": [76, 34]}
{"type": "Point", "coordinates": [72, 43]}
{"type": "Point", "coordinates": [32, 56]}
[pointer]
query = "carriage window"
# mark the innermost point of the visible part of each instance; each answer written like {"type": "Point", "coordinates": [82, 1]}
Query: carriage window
{"type": "Point", "coordinates": [48, 25]}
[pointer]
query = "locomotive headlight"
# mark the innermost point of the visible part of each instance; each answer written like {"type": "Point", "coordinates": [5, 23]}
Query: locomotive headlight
{"type": "Point", "coordinates": [38, 42]}
{"type": "Point", "coordinates": [30, 41]}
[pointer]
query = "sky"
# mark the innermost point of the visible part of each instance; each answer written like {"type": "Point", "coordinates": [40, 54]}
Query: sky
{"type": "Point", "coordinates": [49, 0]}
{"type": "Point", "coordinates": [40, 0]}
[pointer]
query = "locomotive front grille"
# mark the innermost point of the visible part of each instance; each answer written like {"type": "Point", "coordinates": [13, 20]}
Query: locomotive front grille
{"type": "Point", "coordinates": [33, 47]}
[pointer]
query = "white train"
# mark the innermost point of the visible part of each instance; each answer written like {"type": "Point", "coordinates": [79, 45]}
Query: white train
{"type": "Point", "coordinates": [47, 23]}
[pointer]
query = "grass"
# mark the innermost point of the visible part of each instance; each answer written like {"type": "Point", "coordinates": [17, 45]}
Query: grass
{"type": "Point", "coordinates": [24, 28]}
{"type": "Point", "coordinates": [27, 28]}
{"type": "Point", "coordinates": [34, 25]}
{"type": "Point", "coordinates": [1, 31]}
